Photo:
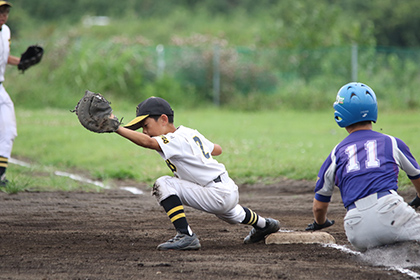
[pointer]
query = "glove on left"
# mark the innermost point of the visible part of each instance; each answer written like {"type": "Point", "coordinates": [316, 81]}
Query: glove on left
{"type": "Point", "coordinates": [30, 57]}
{"type": "Point", "coordinates": [94, 113]}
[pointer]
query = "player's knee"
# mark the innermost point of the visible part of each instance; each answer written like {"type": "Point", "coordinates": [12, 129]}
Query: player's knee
{"type": "Point", "coordinates": [159, 189]}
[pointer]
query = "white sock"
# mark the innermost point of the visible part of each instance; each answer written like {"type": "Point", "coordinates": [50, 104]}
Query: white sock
{"type": "Point", "coordinates": [261, 222]}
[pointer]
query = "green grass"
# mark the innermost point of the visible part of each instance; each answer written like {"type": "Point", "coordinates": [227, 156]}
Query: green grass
{"type": "Point", "coordinates": [257, 146]}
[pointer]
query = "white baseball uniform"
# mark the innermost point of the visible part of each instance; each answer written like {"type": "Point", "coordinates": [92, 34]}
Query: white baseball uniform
{"type": "Point", "coordinates": [8, 130]}
{"type": "Point", "coordinates": [199, 180]}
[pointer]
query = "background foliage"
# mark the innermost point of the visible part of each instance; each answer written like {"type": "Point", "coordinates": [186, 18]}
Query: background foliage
{"type": "Point", "coordinates": [277, 56]}
{"type": "Point", "coordinates": [270, 54]}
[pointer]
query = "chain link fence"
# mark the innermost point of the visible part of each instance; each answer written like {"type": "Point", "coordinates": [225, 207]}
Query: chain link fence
{"type": "Point", "coordinates": [235, 76]}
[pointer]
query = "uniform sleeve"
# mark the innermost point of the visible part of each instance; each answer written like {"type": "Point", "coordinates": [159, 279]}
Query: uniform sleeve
{"type": "Point", "coordinates": [207, 143]}
{"type": "Point", "coordinates": [405, 159]}
{"type": "Point", "coordinates": [325, 184]}
{"type": "Point", "coordinates": [170, 145]}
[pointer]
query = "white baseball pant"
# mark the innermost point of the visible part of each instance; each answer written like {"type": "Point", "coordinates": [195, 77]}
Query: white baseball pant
{"type": "Point", "coordinates": [220, 199]}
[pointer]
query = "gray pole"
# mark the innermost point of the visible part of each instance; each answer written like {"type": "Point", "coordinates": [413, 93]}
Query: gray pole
{"type": "Point", "coordinates": [160, 60]}
{"type": "Point", "coordinates": [216, 75]}
{"type": "Point", "coordinates": [354, 54]}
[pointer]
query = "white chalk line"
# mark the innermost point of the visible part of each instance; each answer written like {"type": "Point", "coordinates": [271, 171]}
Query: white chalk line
{"type": "Point", "coordinates": [78, 178]}
{"type": "Point", "coordinates": [397, 268]}
{"type": "Point", "coordinates": [356, 253]}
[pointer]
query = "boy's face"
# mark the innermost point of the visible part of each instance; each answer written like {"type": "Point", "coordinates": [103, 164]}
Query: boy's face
{"type": "Point", "coordinates": [4, 14]}
{"type": "Point", "coordinates": [153, 128]}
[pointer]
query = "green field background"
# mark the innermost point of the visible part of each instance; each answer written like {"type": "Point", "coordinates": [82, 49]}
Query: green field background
{"type": "Point", "coordinates": [258, 147]}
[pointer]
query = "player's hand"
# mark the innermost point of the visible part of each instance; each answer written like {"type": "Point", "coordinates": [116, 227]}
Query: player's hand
{"type": "Point", "coordinates": [415, 202]}
{"type": "Point", "coordinates": [316, 226]}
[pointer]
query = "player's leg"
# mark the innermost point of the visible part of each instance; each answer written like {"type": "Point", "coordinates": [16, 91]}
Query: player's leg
{"type": "Point", "coordinates": [389, 220]}
{"type": "Point", "coordinates": [407, 220]}
{"type": "Point", "coordinates": [8, 132]}
{"type": "Point", "coordinates": [214, 198]}
{"type": "Point", "coordinates": [185, 239]}
{"type": "Point", "coordinates": [173, 193]}
{"type": "Point", "coordinates": [3, 166]}
{"type": "Point", "coordinates": [261, 226]}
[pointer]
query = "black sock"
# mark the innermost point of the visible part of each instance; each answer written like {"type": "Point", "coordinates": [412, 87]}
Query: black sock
{"type": "Point", "coordinates": [3, 165]}
{"type": "Point", "coordinates": [175, 211]}
{"type": "Point", "coordinates": [251, 218]}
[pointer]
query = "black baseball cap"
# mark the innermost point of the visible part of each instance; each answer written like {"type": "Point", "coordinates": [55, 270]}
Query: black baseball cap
{"type": "Point", "coordinates": [152, 106]}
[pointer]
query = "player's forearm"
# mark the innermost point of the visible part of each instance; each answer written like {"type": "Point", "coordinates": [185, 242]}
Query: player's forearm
{"type": "Point", "coordinates": [319, 210]}
{"type": "Point", "coordinates": [13, 60]}
{"type": "Point", "coordinates": [138, 138]}
{"type": "Point", "coordinates": [416, 183]}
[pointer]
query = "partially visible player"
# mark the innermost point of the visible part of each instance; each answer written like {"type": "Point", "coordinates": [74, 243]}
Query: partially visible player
{"type": "Point", "coordinates": [8, 130]}
{"type": "Point", "coordinates": [199, 180]}
{"type": "Point", "coordinates": [365, 167]}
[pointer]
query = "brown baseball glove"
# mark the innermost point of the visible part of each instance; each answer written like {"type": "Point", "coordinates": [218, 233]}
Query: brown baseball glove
{"type": "Point", "coordinates": [95, 113]}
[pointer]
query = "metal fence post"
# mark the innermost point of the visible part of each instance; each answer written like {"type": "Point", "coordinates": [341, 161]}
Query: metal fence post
{"type": "Point", "coordinates": [354, 62]}
{"type": "Point", "coordinates": [216, 75]}
{"type": "Point", "coordinates": [160, 60]}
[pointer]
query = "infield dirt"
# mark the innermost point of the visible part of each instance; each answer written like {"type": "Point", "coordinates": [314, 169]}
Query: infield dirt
{"type": "Point", "coordinates": [113, 235]}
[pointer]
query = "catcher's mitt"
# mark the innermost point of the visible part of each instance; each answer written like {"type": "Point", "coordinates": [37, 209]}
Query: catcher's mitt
{"type": "Point", "coordinates": [30, 57]}
{"type": "Point", "coordinates": [95, 113]}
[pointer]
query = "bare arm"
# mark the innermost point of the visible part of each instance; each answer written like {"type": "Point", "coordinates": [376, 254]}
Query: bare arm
{"type": "Point", "coordinates": [320, 211]}
{"type": "Point", "coordinates": [217, 150]}
{"type": "Point", "coordinates": [139, 138]}
{"type": "Point", "coordinates": [13, 60]}
{"type": "Point", "coordinates": [416, 183]}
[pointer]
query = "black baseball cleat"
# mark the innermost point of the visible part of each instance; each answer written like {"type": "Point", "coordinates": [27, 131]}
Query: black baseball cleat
{"type": "Point", "coordinates": [181, 242]}
{"type": "Point", "coordinates": [256, 235]}
{"type": "Point", "coordinates": [3, 183]}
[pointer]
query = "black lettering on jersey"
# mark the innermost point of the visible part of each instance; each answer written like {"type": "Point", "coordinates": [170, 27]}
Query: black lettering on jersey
{"type": "Point", "coordinates": [164, 139]}
{"type": "Point", "coordinates": [171, 166]}
{"type": "Point", "coordinates": [200, 144]}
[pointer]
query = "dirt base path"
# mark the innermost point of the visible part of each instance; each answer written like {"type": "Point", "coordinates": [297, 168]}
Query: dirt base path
{"type": "Point", "coordinates": [114, 234]}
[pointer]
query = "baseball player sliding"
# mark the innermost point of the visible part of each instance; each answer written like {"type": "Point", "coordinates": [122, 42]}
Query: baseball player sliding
{"type": "Point", "coordinates": [199, 181]}
{"type": "Point", "coordinates": [365, 167]}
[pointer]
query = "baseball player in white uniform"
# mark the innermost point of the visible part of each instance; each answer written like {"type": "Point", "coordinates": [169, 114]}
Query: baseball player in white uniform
{"type": "Point", "coordinates": [8, 130]}
{"type": "Point", "coordinates": [199, 180]}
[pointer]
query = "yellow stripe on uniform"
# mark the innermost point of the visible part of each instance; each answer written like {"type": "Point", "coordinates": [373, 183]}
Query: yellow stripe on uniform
{"type": "Point", "coordinates": [3, 164]}
{"type": "Point", "coordinates": [173, 210]}
{"type": "Point", "coordinates": [182, 215]}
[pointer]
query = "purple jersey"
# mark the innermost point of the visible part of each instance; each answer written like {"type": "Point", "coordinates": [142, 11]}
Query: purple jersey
{"type": "Point", "coordinates": [365, 162]}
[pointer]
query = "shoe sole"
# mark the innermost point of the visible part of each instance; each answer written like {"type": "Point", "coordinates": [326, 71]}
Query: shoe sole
{"type": "Point", "coordinates": [189, 248]}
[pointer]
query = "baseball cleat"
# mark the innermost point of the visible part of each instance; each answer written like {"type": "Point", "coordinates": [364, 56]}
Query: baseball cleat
{"type": "Point", "coordinates": [3, 183]}
{"type": "Point", "coordinates": [256, 235]}
{"type": "Point", "coordinates": [181, 242]}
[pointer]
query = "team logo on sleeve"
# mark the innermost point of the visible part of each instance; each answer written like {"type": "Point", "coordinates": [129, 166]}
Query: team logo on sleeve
{"type": "Point", "coordinates": [164, 139]}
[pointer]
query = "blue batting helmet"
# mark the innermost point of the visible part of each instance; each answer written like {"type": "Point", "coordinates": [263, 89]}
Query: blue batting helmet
{"type": "Point", "coordinates": [356, 102]}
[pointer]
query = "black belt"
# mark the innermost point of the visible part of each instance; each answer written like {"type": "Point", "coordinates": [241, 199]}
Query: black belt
{"type": "Point", "coordinates": [218, 179]}
{"type": "Point", "coordinates": [380, 194]}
